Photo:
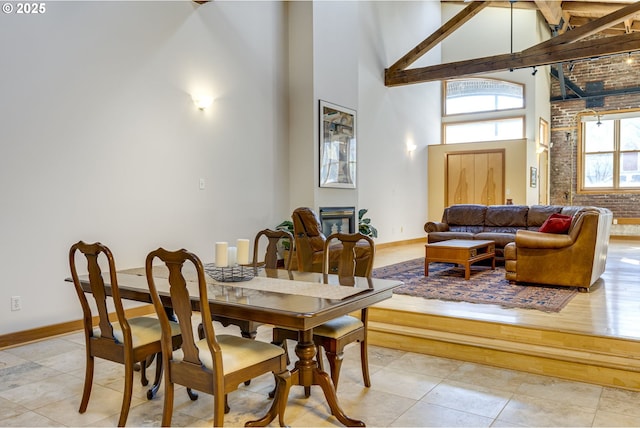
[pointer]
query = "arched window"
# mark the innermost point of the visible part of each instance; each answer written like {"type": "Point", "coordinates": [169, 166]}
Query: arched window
{"type": "Point", "coordinates": [468, 104]}
{"type": "Point", "coordinates": [481, 95]}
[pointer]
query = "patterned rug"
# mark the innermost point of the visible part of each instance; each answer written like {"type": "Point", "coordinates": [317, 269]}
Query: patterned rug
{"type": "Point", "coordinates": [446, 282]}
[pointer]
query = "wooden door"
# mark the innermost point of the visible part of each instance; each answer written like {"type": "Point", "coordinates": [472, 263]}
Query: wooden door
{"type": "Point", "coordinates": [475, 178]}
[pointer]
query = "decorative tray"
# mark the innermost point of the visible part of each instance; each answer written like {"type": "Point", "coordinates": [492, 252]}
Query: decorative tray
{"type": "Point", "coordinates": [235, 273]}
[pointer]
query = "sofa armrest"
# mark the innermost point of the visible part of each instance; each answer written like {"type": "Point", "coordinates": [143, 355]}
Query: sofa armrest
{"type": "Point", "coordinates": [435, 226]}
{"type": "Point", "coordinates": [531, 239]}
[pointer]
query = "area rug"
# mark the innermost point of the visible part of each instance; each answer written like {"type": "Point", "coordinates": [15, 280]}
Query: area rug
{"type": "Point", "coordinates": [446, 282]}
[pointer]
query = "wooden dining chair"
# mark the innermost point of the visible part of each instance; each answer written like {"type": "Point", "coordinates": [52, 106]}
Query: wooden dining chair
{"type": "Point", "coordinates": [127, 340]}
{"type": "Point", "coordinates": [270, 262]}
{"type": "Point", "coordinates": [334, 335]}
{"type": "Point", "coordinates": [214, 364]}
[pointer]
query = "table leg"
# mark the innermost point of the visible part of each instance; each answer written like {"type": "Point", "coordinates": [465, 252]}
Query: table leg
{"type": "Point", "coordinates": [306, 373]}
{"type": "Point", "coordinates": [426, 262]}
{"type": "Point", "coordinates": [279, 404]}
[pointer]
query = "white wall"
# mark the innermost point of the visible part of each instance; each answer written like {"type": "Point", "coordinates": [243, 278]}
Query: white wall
{"type": "Point", "coordinates": [100, 140]}
{"type": "Point", "coordinates": [393, 181]}
{"type": "Point", "coordinates": [302, 109]}
{"type": "Point", "coordinates": [353, 42]}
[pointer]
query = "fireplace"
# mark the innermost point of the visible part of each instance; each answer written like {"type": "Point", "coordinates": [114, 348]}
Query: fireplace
{"type": "Point", "coordinates": [338, 220]}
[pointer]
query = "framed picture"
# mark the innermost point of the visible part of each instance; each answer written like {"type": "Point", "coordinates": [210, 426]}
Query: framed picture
{"type": "Point", "coordinates": [337, 146]}
{"type": "Point", "coordinates": [533, 176]}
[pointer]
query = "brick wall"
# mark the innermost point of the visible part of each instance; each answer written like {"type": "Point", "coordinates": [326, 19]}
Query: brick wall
{"type": "Point", "coordinates": [615, 73]}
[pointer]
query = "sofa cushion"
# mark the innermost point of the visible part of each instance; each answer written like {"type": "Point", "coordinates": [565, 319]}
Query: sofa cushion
{"type": "Point", "coordinates": [445, 236]}
{"type": "Point", "coordinates": [464, 215]}
{"type": "Point", "coordinates": [538, 214]}
{"type": "Point", "coordinates": [506, 216]}
{"type": "Point", "coordinates": [501, 239]}
{"type": "Point", "coordinates": [556, 223]}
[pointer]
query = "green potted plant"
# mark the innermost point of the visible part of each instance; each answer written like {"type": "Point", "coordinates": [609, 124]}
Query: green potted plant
{"type": "Point", "coordinates": [284, 245]}
{"type": "Point", "coordinates": [364, 224]}
{"type": "Point", "coordinates": [287, 226]}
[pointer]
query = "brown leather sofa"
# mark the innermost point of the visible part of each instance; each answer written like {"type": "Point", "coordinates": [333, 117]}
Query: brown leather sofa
{"type": "Point", "coordinates": [498, 223]}
{"type": "Point", "coordinates": [310, 245]}
{"type": "Point", "coordinates": [575, 259]}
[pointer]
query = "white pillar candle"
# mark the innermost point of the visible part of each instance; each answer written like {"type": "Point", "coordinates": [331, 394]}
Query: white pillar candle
{"type": "Point", "coordinates": [221, 254]}
{"type": "Point", "coordinates": [232, 254]}
{"type": "Point", "coordinates": [243, 251]}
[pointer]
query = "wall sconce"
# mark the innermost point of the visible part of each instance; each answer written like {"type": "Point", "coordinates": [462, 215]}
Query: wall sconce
{"type": "Point", "coordinates": [203, 102]}
{"type": "Point", "coordinates": [411, 146]}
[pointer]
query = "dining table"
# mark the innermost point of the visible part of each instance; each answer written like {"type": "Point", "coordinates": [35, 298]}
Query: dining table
{"type": "Point", "coordinates": [291, 299]}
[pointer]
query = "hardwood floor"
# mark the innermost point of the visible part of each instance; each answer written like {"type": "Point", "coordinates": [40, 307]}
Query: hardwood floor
{"type": "Point", "coordinates": [595, 338]}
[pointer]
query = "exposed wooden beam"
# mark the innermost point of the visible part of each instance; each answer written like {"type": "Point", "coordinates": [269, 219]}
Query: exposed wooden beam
{"type": "Point", "coordinates": [592, 9]}
{"type": "Point", "coordinates": [566, 17]}
{"type": "Point", "coordinates": [551, 10]}
{"type": "Point", "coordinates": [590, 28]}
{"type": "Point", "coordinates": [530, 58]}
{"type": "Point", "coordinates": [453, 24]}
{"type": "Point", "coordinates": [557, 49]}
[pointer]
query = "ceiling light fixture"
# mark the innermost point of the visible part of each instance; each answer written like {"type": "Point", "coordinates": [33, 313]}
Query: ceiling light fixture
{"type": "Point", "coordinates": [511, 2]}
{"type": "Point", "coordinates": [535, 70]}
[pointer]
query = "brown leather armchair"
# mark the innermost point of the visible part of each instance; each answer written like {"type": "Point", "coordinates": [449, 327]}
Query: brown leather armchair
{"type": "Point", "coordinates": [310, 245]}
{"type": "Point", "coordinates": [575, 259]}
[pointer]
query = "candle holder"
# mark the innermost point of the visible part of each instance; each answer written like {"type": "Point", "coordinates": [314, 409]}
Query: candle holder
{"type": "Point", "coordinates": [235, 273]}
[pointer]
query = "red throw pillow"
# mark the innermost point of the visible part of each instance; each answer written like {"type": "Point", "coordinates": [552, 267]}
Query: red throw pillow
{"type": "Point", "coordinates": [556, 223]}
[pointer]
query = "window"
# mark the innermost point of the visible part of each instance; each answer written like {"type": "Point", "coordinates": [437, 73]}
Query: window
{"type": "Point", "coordinates": [610, 152]}
{"type": "Point", "coordinates": [484, 130]}
{"type": "Point", "coordinates": [481, 95]}
{"type": "Point", "coordinates": [478, 110]}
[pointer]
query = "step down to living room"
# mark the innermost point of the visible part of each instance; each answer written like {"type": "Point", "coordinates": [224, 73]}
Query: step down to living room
{"type": "Point", "coordinates": [569, 355]}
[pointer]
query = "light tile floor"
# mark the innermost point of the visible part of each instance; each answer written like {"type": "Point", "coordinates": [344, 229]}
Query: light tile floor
{"type": "Point", "coordinates": [41, 385]}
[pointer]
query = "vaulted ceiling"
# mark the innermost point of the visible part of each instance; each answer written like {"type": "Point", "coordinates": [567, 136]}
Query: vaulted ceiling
{"type": "Point", "coordinates": [618, 22]}
{"type": "Point", "coordinates": [572, 14]}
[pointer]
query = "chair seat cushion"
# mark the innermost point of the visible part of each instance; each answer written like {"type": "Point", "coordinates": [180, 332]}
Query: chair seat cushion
{"type": "Point", "coordinates": [338, 327]}
{"type": "Point", "coordinates": [237, 352]}
{"type": "Point", "coordinates": [144, 330]}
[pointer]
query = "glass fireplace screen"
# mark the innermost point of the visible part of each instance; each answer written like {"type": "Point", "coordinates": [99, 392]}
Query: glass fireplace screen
{"type": "Point", "coordinates": [338, 220]}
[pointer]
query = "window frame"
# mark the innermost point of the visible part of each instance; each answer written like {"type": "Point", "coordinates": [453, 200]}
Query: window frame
{"type": "Point", "coordinates": [488, 116]}
{"type": "Point", "coordinates": [616, 116]}
{"type": "Point", "coordinates": [486, 120]}
{"type": "Point", "coordinates": [482, 112]}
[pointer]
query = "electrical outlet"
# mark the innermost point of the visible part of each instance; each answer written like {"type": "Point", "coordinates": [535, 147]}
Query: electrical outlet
{"type": "Point", "coordinates": [16, 303]}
